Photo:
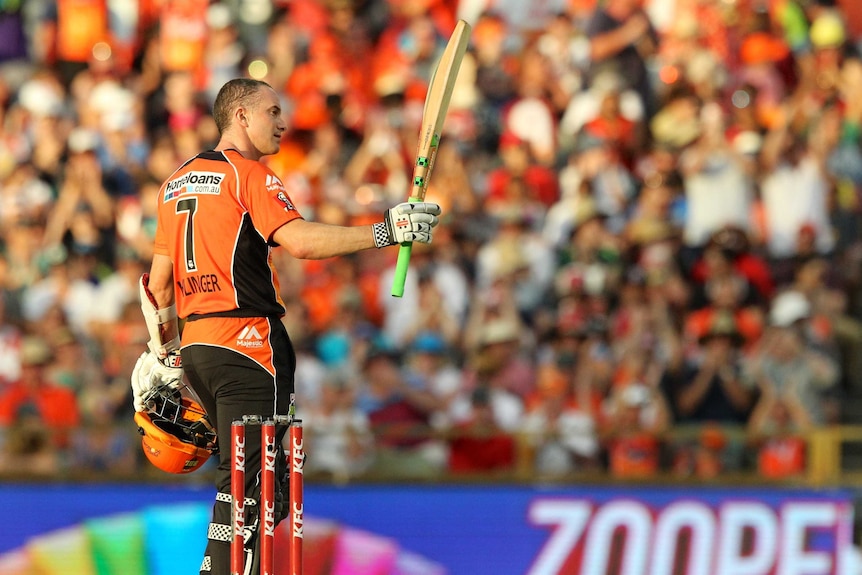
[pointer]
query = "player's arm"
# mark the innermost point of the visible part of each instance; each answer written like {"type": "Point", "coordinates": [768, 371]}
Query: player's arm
{"type": "Point", "coordinates": [162, 363]}
{"type": "Point", "coordinates": [406, 222]}
{"type": "Point", "coordinates": [161, 281]}
{"type": "Point", "coordinates": [157, 305]}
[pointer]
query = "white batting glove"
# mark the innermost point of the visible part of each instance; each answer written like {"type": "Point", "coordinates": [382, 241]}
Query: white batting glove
{"type": "Point", "coordinates": [150, 373]}
{"type": "Point", "coordinates": [407, 222]}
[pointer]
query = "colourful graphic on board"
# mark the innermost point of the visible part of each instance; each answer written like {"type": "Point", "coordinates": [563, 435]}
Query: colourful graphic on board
{"type": "Point", "coordinates": [170, 539]}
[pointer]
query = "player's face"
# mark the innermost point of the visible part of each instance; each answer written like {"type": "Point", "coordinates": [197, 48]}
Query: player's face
{"type": "Point", "coordinates": [266, 123]}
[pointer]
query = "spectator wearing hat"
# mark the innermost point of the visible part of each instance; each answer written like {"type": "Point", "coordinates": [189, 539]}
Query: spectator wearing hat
{"type": "Point", "coordinates": [828, 37]}
{"type": "Point", "coordinates": [650, 233]}
{"type": "Point", "coordinates": [632, 428]}
{"type": "Point", "coordinates": [606, 112]}
{"type": "Point", "coordinates": [782, 362]}
{"type": "Point", "coordinates": [642, 340]}
{"type": "Point", "coordinates": [677, 123]}
{"type": "Point", "coordinates": [499, 362]}
{"type": "Point", "coordinates": [710, 387]}
{"type": "Point", "coordinates": [517, 257]}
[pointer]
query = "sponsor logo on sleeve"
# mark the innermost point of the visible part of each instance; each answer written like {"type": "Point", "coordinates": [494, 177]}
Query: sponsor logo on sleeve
{"type": "Point", "coordinates": [282, 199]}
{"type": "Point", "coordinates": [194, 183]}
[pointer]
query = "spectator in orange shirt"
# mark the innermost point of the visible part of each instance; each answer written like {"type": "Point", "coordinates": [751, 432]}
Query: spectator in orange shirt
{"type": "Point", "coordinates": [55, 406]}
{"type": "Point", "coordinates": [183, 34]}
{"type": "Point", "coordinates": [68, 32]}
{"type": "Point", "coordinates": [777, 431]}
{"type": "Point", "coordinates": [636, 417]}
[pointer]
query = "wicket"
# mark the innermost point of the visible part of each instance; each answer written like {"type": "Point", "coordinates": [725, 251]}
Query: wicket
{"type": "Point", "coordinates": [295, 461]}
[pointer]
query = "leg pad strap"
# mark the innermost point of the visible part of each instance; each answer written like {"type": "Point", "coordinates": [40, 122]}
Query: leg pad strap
{"type": "Point", "coordinates": [226, 498]}
{"type": "Point", "coordinates": [219, 532]}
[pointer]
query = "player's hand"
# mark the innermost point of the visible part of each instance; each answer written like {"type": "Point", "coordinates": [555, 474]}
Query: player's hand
{"type": "Point", "coordinates": [150, 373]}
{"type": "Point", "coordinates": [407, 222]}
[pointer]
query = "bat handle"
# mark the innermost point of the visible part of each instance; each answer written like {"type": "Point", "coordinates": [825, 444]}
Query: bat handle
{"type": "Point", "coordinates": [401, 269]}
{"type": "Point", "coordinates": [404, 251]}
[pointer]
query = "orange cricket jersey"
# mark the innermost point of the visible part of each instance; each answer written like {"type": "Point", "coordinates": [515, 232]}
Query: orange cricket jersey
{"type": "Point", "coordinates": [216, 217]}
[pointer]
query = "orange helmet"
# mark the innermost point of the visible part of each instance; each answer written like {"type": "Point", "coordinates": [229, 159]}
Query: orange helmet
{"type": "Point", "coordinates": [177, 436]}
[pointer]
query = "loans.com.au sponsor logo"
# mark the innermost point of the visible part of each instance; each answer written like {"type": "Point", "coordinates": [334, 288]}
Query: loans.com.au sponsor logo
{"type": "Point", "coordinates": [249, 337]}
{"type": "Point", "coordinates": [194, 183]}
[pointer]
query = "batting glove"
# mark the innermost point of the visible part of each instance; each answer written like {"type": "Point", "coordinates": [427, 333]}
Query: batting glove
{"type": "Point", "coordinates": [150, 373]}
{"type": "Point", "coordinates": [407, 222]}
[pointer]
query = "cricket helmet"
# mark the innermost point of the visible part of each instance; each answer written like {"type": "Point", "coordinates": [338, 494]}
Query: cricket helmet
{"type": "Point", "coordinates": [177, 435]}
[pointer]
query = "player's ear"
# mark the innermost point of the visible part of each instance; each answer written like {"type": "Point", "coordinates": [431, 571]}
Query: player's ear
{"type": "Point", "coordinates": [241, 117]}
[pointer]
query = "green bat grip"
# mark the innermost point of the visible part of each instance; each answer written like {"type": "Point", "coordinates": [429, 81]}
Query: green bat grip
{"type": "Point", "coordinates": [404, 251]}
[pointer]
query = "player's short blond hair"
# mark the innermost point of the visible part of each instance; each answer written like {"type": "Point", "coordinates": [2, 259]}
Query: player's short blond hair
{"type": "Point", "coordinates": [235, 93]}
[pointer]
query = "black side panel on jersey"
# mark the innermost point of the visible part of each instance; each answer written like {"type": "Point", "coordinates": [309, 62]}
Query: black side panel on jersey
{"type": "Point", "coordinates": [254, 288]}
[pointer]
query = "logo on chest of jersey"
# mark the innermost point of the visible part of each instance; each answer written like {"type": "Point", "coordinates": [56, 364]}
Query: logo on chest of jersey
{"type": "Point", "coordinates": [249, 337]}
{"type": "Point", "coordinates": [194, 183]}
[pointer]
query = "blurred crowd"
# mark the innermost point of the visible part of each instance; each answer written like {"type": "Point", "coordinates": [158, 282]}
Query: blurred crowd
{"type": "Point", "coordinates": [649, 260]}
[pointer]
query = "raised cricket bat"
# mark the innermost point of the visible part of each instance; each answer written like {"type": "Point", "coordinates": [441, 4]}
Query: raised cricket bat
{"type": "Point", "coordinates": [433, 115]}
